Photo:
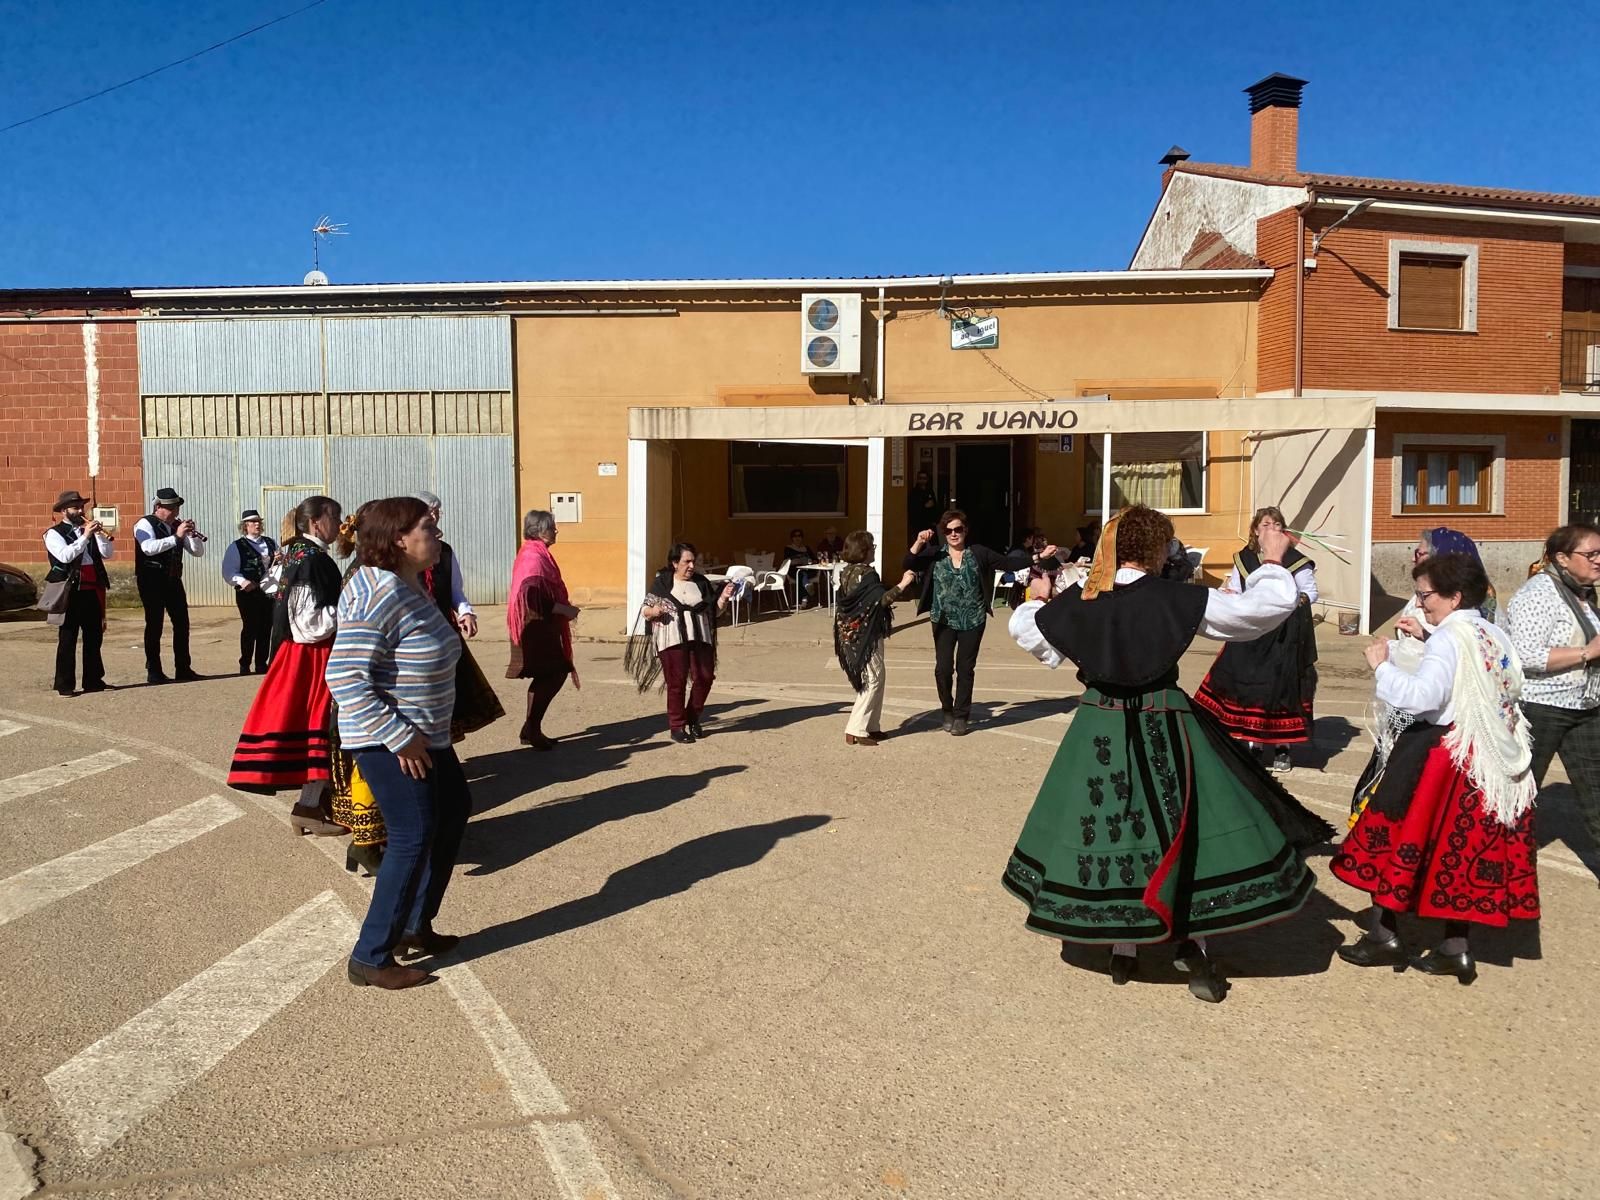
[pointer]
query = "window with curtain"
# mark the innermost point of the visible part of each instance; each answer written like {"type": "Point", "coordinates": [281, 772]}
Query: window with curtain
{"type": "Point", "coordinates": [1163, 470]}
{"type": "Point", "coordinates": [1446, 479]}
{"type": "Point", "coordinates": [767, 479]}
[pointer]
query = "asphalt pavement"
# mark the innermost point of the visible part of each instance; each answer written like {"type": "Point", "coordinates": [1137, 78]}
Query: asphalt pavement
{"type": "Point", "coordinates": [765, 965]}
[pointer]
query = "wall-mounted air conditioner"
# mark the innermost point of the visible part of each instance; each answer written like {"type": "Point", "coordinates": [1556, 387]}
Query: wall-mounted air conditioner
{"type": "Point", "coordinates": [830, 333]}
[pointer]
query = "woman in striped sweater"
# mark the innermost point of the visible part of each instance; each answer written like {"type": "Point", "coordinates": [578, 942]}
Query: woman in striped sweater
{"type": "Point", "coordinates": [392, 673]}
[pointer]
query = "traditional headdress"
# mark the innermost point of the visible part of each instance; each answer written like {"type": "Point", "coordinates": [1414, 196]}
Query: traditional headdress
{"type": "Point", "coordinates": [1103, 572]}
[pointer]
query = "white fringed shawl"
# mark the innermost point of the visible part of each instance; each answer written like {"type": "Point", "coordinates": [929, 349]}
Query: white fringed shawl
{"type": "Point", "coordinates": [1490, 739]}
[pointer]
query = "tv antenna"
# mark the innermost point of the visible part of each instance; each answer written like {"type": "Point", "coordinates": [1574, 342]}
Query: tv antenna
{"type": "Point", "coordinates": [325, 227]}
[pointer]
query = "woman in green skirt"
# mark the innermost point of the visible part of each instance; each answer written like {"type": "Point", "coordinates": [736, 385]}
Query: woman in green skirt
{"type": "Point", "coordinates": [1152, 824]}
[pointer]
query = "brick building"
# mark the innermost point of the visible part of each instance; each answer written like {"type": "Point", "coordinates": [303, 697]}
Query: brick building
{"type": "Point", "coordinates": [1471, 315]}
{"type": "Point", "coordinates": [69, 411]}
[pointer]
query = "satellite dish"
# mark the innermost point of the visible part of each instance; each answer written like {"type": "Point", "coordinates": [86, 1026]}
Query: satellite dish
{"type": "Point", "coordinates": [315, 279]}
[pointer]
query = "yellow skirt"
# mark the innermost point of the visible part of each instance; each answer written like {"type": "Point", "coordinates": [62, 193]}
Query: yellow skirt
{"type": "Point", "coordinates": [354, 805]}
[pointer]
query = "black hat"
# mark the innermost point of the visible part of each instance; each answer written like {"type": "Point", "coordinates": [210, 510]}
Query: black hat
{"type": "Point", "coordinates": [167, 498]}
{"type": "Point", "coordinates": [68, 499]}
{"type": "Point", "coordinates": [249, 514]}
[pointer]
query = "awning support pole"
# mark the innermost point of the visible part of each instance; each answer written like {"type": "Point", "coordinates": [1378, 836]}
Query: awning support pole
{"type": "Point", "coordinates": [1370, 459]}
{"type": "Point", "coordinates": [875, 469]}
{"type": "Point", "coordinates": [1105, 478]}
{"type": "Point", "coordinates": [638, 528]}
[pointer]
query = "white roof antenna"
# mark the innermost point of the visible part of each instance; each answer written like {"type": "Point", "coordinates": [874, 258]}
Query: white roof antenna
{"type": "Point", "coordinates": [325, 227]}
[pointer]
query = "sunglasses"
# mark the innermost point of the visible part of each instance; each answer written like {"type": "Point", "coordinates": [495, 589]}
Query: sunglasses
{"type": "Point", "coordinates": [955, 529]}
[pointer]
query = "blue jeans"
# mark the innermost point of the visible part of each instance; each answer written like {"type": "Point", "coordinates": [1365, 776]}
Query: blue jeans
{"type": "Point", "coordinates": [425, 818]}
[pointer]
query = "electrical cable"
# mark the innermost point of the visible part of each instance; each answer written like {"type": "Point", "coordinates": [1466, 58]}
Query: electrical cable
{"type": "Point", "coordinates": [175, 63]}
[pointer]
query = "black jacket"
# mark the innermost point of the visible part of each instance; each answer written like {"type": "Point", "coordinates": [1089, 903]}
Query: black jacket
{"type": "Point", "coordinates": [988, 563]}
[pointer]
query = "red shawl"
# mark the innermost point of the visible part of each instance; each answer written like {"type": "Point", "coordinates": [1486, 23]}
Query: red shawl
{"type": "Point", "coordinates": [536, 588]}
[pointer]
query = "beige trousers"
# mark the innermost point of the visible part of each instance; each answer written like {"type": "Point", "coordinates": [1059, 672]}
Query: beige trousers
{"type": "Point", "coordinates": [867, 715]}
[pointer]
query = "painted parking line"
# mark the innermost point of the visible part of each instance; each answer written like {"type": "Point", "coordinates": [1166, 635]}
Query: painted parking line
{"type": "Point", "coordinates": [17, 1179]}
{"type": "Point", "coordinates": [33, 782]}
{"type": "Point", "coordinates": [61, 877]}
{"type": "Point", "coordinates": [109, 1087]}
{"type": "Point", "coordinates": [7, 728]}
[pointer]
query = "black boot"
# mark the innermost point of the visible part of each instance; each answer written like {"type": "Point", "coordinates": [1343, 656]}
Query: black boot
{"type": "Point", "coordinates": [367, 857]}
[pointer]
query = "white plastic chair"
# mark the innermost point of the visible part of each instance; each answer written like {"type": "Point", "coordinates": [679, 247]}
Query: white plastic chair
{"type": "Point", "coordinates": [999, 585]}
{"type": "Point", "coordinates": [758, 562]}
{"type": "Point", "coordinates": [1197, 559]}
{"type": "Point", "coordinates": [772, 581]}
{"type": "Point", "coordinates": [743, 580]}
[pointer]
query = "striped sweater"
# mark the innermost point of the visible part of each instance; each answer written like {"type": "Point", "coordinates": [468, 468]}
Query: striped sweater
{"type": "Point", "coordinates": [392, 671]}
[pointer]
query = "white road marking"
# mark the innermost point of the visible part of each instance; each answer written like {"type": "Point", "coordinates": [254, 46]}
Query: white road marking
{"type": "Point", "coordinates": [61, 877]}
{"type": "Point", "coordinates": [17, 1179]}
{"type": "Point", "coordinates": [109, 1087]}
{"type": "Point", "coordinates": [566, 1146]}
{"type": "Point", "coordinates": [19, 786]}
{"type": "Point", "coordinates": [6, 729]}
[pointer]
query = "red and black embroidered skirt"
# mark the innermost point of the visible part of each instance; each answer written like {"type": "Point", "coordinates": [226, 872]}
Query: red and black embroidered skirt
{"type": "Point", "coordinates": [1262, 690]}
{"type": "Point", "coordinates": [1445, 857]}
{"type": "Point", "coordinates": [284, 743]}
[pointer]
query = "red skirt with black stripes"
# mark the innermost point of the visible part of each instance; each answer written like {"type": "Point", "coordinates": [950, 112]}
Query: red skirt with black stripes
{"type": "Point", "coordinates": [284, 744]}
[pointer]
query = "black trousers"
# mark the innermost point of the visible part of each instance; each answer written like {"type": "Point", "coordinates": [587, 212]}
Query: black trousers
{"type": "Point", "coordinates": [163, 597]}
{"type": "Point", "coordinates": [86, 616]}
{"type": "Point", "coordinates": [955, 659]}
{"type": "Point", "coordinates": [255, 627]}
{"type": "Point", "coordinates": [1574, 734]}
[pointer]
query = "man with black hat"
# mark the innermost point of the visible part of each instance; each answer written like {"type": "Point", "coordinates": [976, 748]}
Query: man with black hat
{"type": "Point", "coordinates": [78, 550]}
{"type": "Point", "coordinates": [244, 566]}
{"type": "Point", "coordinates": [164, 538]}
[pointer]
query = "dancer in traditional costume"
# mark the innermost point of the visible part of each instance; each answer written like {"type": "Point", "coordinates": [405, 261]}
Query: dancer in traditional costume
{"type": "Point", "coordinates": [1152, 824]}
{"type": "Point", "coordinates": [675, 638]}
{"type": "Point", "coordinates": [539, 616]}
{"type": "Point", "coordinates": [1445, 810]}
{"type": "Point", "coordinates": [1262, 690]}
{"type": "Point", "coordinates": [284, 743]}
{"type": "Point", "coordinates": [861, 622]}
{"type": "Point", "coordinates": [476, 704]}
{"type": "Point", "coordinates": [245, 567]}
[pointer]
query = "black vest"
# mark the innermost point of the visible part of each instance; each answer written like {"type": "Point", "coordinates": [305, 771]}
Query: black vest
{"type": "Point", "coordinates": [69, 570]}
{"type": "Point", "coordinates": [251, 565]}
{"type": "Point", "coordinates": [167, 565]}
{"type": "Point", "coordinates": [439, 583]}
{"type": "Point", "coordinates": [1130, 638]}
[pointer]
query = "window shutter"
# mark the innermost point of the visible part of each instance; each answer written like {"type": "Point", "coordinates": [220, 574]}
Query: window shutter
{"type": "Point", "coordinates": [1430, 292]}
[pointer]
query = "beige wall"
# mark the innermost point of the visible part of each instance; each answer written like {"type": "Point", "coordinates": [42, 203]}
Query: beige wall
{"type": "Point", "coordinates": [577, 376]}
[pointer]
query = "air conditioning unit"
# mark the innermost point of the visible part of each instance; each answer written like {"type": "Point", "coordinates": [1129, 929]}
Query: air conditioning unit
{"type": "Point", "coordinates": [830, 333]}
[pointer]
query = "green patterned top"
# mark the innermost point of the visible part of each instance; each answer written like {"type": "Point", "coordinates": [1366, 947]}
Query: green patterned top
{"type": "Point", "coordinates": [958, 593]}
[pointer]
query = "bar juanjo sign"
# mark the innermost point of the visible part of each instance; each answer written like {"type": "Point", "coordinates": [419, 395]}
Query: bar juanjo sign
{"type": "Point", "coordinates": [1034, 419]}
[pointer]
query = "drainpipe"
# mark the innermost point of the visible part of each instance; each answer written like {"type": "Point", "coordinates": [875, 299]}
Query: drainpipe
{"type": "Point", "coordinates": [880, 345]}
{"type": "Point", "coordinates": [1300, 290]}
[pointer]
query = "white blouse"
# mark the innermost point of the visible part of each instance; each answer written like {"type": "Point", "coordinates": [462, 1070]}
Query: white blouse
{"type": "Point", "coordinates": [1428, 691]}
{"type": "Point", "coordinates": [1305, 579]}
{"type": "Point", "coordinates": [1540, 621]}
{"type": "Point", "coordinates": [1259, 609]}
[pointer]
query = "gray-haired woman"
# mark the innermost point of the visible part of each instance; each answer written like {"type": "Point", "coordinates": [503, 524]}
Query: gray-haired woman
{"type": "Point", "coordinates": [539, 616]}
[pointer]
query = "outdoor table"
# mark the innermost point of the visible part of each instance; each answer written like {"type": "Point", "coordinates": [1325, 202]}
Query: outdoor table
{"type": "Point", "coordinates": [832, 570]}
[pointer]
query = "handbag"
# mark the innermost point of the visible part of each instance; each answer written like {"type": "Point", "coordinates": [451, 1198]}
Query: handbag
{"type": "Point", "coordinates": [56, 596]}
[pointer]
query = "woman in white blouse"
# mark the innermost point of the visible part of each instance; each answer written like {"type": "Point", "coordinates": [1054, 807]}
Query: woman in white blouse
{"type": "Point", "coordinates": [1444, 824]}
{"type": "Point", "coordinates": [1555, 627]}
{"type": "Point", "coordinates": [1152, 824]}
{"type": "Point", "coordinates": [679, 639]}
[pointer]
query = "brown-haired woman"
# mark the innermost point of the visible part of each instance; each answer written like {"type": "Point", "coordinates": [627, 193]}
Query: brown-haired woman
{"type": "Point", "coordinates": [284, 743]}
{"type": "Point", "coordinates": [1262, 691]}
{"type": "Point", "coordinates": [1152, 824]}
{"type": "Point", "coordinates": [958, 597]}
{"type": "Point", "coordinates": [679, 639]}
{"type": "Point", "coordinates": [861, 621]}
{"type": "Point", "coordinates": [393, 675]}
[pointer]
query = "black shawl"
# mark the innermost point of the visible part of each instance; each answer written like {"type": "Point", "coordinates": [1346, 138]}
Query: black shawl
{"type": "Point", "coordinates": [640, 660]}
{"type": "Point", "coordinates": [308, 564]}
{"type": "Point", "coordinates": [861, 620]}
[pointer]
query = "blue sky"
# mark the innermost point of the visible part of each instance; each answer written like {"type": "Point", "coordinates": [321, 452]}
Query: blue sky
{"type": "Point", "coordinates": [534, 140]}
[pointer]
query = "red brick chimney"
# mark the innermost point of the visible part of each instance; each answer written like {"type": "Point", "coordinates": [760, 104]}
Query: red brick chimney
{"type": "Point", "coordinates": [1275, 124]}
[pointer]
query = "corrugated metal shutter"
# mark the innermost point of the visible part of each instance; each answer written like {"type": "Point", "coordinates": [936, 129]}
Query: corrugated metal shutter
{"type": "Point", "coordinates": [405, 354]}
{"type": "Point", "coordinates": [474, 478]}
{"type": "Point", "coordinates": [203, 474]}
{"type": "Point", "coordinates": [211, 355]}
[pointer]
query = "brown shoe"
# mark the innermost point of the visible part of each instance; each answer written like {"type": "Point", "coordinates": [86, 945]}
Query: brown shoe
{"type": "Point", "coordinates": [391, 978]}
{"type": "Point", "coordinates": [313, 821]}
{"type": "Point", "coordinates": [427, 943]}
{"type": "Point", "coordinates": [851, 739]}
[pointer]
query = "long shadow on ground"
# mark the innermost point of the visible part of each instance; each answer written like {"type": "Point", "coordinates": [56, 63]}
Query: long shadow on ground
{"type": "Point", "coordinates": [506, 840]}
{"type": "Point", "coordinates": [654, 878]}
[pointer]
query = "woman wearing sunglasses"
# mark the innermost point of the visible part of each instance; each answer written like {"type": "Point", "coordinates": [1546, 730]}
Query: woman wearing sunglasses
{"type": "Point", "coordinates": [958, 597]}
{"type": "Point", "coordinates": [1555, 627]}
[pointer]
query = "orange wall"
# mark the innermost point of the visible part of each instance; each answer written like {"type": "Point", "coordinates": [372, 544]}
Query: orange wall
{"type": "Point", "coordinates": [576, 378]}
{"type": "Point", "coordinates": [1532, 500]}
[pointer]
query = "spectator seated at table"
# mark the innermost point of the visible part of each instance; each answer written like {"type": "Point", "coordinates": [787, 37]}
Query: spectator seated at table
{"type": "Point", "coordinates": [797, 554]}
{"type": "Point", "coordinates": [1088, 538]}
{"type": "Point", "coordinates": [831, 545]}
{"type": "Point", "coordinates": [1033, 541]}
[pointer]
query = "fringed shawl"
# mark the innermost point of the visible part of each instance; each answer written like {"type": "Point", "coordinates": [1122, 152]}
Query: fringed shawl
{"type": "Point", "coordinates": [641, 660]}
{"type": "Point", "coordinates": [1490, 740]}
{"type": "Point", "coordinates": [861, 620]}
{"type": "Point", "coordinates": [536, 588]}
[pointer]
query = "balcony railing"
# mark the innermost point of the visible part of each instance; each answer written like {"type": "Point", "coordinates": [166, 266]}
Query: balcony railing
{"type": "Point", "coordinates": [1580, 360]}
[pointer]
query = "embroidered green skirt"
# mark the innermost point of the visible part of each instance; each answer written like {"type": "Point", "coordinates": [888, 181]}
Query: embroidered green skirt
{"type": "Point", "coordinates": [1153, 824]}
